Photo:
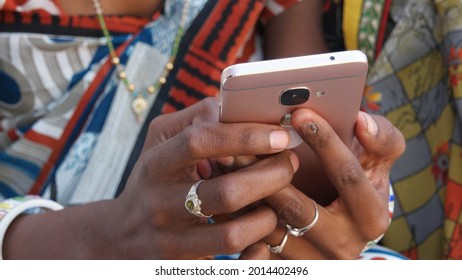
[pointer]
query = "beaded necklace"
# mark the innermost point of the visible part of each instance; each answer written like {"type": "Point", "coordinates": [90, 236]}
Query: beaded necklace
{"type": "Point", "coordinates": [139, 102]}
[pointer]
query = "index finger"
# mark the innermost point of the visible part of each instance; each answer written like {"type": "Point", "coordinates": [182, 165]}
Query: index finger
{"type": "Point", "coordinates": [213, 140]}
{"type": "Point", "coordinates": [343, 169]}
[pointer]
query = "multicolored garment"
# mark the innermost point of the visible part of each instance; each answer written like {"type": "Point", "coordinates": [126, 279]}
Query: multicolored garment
{"type": "Point", "coordinates": [416, 82]}
{"type": "Point", "coordinates": [54, 127]}
{"type": "Point", "coordinates": [61, 105]}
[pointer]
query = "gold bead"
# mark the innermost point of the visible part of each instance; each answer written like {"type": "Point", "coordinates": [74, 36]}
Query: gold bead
{"type": "Point", "coordinates": [151, 89]}
{"type": "Point", "coordinates": [169, 66]}
{"type": "Point", "coordinates": [122, 75]}
{"type": "Point", "coordinates": [162, 80]}
{"type": "Point", "coordinates": [115, 60]}
{"type": "Point", "coordinates": [131, 87]}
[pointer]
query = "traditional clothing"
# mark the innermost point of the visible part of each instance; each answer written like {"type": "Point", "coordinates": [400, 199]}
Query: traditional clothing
{"type": "Point", "coordinates": [62, 104]}
{"type": "Point", "coordinates": [415, 80]}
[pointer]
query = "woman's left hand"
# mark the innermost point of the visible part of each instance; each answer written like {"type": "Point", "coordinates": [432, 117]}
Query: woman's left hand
{"type": "Point", "coordinates": [361, 178]}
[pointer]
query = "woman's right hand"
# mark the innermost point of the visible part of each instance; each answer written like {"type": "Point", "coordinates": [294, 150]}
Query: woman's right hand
{"type": "Point", "coordinates": [360, 175]}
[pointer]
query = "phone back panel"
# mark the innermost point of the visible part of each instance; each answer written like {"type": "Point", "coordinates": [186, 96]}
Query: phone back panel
{"type": "Point", "coordinates": [251, 92]}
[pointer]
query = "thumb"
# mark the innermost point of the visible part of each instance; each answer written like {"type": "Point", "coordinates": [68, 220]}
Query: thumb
{"type": "Point", "coordinates": [379, 137]}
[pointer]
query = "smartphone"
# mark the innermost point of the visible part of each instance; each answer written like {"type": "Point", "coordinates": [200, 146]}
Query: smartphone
{"type": "Point", "coordinates": [331, 84]}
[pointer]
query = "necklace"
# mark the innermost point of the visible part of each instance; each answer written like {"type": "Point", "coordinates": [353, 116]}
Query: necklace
{"type": "Point", "coordinates": [139, 102]}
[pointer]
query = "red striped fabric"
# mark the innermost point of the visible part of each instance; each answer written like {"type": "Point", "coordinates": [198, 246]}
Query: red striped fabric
{"type": "Point", "coordinates": [11, 12]}
{"type": "Point", "coordinates": [221, 38]}
{"type": "Point", "coordinates": [215, 44]}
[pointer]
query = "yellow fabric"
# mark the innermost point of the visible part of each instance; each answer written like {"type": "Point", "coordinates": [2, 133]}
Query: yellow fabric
{"type": "Point", "coordinates": [351, 20]}
{"type": "Point", "coordinates": [416, 82]}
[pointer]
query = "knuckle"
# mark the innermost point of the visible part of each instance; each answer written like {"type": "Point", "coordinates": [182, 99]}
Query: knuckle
{"type": "Point", "coordinates": [191, 141]}
{"type": "Point", "coordinates": [207, 109]}
{"type": "Point", "coordinates": [281, 165]}
{"type": "Point", "coordinates": [144, 167]}
{"type": "Point", "coordinates": [226, 193]}
{"type": "Point", "coordinates": [352, 240]}
{"type": "Point", "coordinates": [209, 105]}
{"type": "Point", "coordinates": [347, 175]}
{"type": "Point", "coordinates": [231, 238]}
{"type": "Point", "coordinates": [376, 229]}
{"type": "Point", "coordinates": [156, 122]}
{"type": "Point", "coordinates": [284, 165]}
{"type": "Point", "coordinates": [292, 211]}
{"type": "Point", "coordinates": [346, 248]}
{"type": "Point", "coordinates": [287, 172]}
{"type": "Point", "coordinates": [241, 138]}
{"type": "Point", "coordinates": [348, 252]}
{"type": "Point", "coordinates": [391, 135]}
{"type": "Point", "coordinates": [247, 137]}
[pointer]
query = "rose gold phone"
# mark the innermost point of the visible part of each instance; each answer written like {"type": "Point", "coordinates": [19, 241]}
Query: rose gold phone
{"type": "Point", "coordinates": [268, 91]}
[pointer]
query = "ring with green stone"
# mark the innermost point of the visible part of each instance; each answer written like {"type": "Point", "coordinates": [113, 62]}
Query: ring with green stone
{"type": "Point", "coordinates": [193, 203]}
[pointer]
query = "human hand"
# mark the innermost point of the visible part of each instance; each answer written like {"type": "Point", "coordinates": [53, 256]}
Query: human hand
{"type": "Point", "coordinates": [149, 219]}
{"type": "Point", "coordinates": [360, 176]}
{"type": "Point", "coordinates": [153, 222]}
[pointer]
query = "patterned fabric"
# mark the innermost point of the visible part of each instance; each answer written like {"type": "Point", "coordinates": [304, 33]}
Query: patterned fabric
{"type": "Point", "coordinates": [364, 25]}
{"type": "Point", "coordinates": [381, 253]}
{"type": "Point", "coordinates": [416, 82]}
{"type": "Point", "coordinates": [46, 6]}
{"type": "Point", "coordinates": [61, 105]}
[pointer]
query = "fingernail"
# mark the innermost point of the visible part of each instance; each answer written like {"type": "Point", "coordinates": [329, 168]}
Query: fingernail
{"type": "Point", "coordinates": [226, 161]}
{"type": "Point", "coordinates": [279, 140]}
{"type": "Point", "coordinates": [371, 127]}
{"type": "Point", "coordinates": [295, 162]}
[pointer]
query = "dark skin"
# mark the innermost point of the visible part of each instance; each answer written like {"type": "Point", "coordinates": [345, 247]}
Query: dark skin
{"type": "Point", "coordinates": [147, 211]}
{"type": "Point", "coordinates": [304, 20]}
{"type": "Point", "coordinates": [359, 176]}
{"type": "Point", "coordinates": [151, 207]}
{"type": "Point", "coordinates": [139, 8]}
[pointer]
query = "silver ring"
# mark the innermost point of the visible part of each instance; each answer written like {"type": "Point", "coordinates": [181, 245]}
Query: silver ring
{"type": "Point", "coordinates": [193, 203]}
{"type": "Point", "coordinates": [297, 232]}
{"type": "Point", "coordinates": [278, 248]}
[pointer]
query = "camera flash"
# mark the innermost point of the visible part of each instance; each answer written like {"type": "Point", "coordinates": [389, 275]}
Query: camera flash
{"type": "Point", "coordinates": [320, 93]}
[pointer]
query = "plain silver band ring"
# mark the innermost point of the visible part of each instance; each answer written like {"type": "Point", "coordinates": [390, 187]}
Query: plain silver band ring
{"type": "Point", "coordinates": [297, 232]}
{"type": "Point", "coordinates": [278, 248]}
{"type": "Point", "coordinates": [193, 203]}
